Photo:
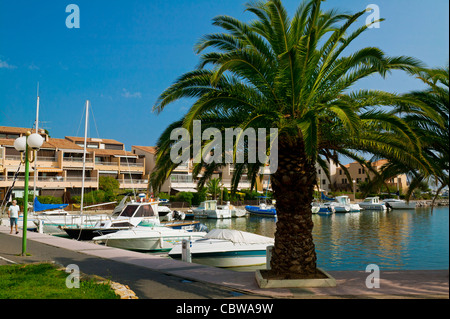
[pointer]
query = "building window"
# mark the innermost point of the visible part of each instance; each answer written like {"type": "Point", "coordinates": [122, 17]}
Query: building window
{"type": "Point", "coordinates": [324, 182]}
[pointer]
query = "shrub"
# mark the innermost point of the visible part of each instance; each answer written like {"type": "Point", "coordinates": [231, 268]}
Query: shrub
{"type": "Point", "coordinates": [199, 197]}
{"type": "Point", "coordinates": [49, 200]}
{"type": "Point", "coordinates": [185, 197]}
{"type": "Point", "coordinates": [108, 184]}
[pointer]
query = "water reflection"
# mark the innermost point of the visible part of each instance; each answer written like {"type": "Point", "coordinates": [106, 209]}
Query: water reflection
{"type": "Point", "coordinates": [400, 239]}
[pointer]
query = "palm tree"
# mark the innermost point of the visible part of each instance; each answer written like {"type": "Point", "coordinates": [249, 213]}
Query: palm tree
{"type": "Point", "coordinates": [213, 187]}
{"type": "Point", "coordinates": [434, 135]}
{"type": "Point", "coordinates": [291, 74]}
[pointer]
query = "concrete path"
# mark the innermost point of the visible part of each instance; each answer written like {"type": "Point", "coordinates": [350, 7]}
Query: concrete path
{"type": "Point", "coordinates": [158, 277]}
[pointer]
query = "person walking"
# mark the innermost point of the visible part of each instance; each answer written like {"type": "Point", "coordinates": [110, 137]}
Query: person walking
{"type": "Point", "coordinates": [13, 214]}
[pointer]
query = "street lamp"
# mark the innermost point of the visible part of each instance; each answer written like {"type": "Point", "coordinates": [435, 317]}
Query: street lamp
{"type": "Point", "coordinates": [354, 190]}
{"type": "Point", "coordinates": [28, 144]}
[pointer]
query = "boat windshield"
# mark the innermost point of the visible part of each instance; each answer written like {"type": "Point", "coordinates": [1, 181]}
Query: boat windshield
{"type": "Point", "coordinates": [145, 211]}
{"type": "Point", "coordinates": [138, 211]}
{"type": "Point", "coordinates": [129, 210]}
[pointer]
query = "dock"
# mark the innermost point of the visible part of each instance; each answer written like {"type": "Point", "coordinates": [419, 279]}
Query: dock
{"type": "Point", "coordinates": [159, 277]}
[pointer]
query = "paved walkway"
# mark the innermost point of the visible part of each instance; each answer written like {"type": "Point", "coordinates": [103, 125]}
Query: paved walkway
{"type": "Point", "coordinates": [158, 277]}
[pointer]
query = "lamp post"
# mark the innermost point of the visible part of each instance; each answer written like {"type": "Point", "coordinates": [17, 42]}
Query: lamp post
{"type": "Point", "coordinates": [354, 190]}
{"type": "Point", "coordinates": [28, 144]}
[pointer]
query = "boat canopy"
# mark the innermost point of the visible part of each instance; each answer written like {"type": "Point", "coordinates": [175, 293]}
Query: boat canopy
{"type": "Point", "coordinates": [238, 237]}
{"type": "Point", "coordinates": [327, 198]}
{"type": "Point", "coordinates": [39, 207]}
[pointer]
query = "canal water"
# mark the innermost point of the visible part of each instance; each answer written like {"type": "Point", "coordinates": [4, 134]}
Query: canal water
{"type": "Point", "coordinates": [399, 239]}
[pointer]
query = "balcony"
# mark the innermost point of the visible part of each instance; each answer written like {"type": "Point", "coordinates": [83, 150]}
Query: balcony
{"type": "Point", "coordinates": [51, 182]}
{"type": "Point", "coordinates": [182, 181]}
{"type": "Point", "coordinates": [77, 162]}
{"type": "Point", "coordinates": [133, 184]}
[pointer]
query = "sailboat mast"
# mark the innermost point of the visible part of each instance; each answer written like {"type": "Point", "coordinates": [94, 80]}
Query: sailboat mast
{"type": "Point", "coordinates": [84, 154]}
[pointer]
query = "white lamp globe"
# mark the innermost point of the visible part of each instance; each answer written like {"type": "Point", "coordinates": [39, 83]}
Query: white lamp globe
{"type": "Point", "coordinates": [35, 141]}
{"type": "Point", "coordinates": [20, 144]}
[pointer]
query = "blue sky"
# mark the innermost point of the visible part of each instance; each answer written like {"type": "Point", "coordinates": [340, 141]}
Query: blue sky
{"type": "Point", "coordinates": [125, 53]}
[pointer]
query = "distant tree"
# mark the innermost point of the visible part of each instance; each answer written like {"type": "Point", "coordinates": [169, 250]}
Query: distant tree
{"type": "Point", "coordinates": [213, 187]}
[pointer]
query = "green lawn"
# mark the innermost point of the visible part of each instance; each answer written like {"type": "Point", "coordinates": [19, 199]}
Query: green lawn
{"type": "Point", "coordinates": [44, 281]}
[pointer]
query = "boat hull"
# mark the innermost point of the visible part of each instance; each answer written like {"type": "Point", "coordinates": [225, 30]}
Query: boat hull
{"type": "Point", "coordinates": [227, 248]}
{"type": "Point", "coordinates": [373, 207]}
{"type": "Point", "coordinates": [400, 205]}
{"type": "Point", "coordinates": [269, 212]}
{"type": "Point", "coordinates": [228, 259]}
{"type": "Point", "coordinates": [147, 240]}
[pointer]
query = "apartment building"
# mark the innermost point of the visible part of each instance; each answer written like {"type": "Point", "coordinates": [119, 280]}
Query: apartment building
{"type": "Point", "coordinates": [182, 179]}
{"type": "Point", "coordinates": [59, 165]}
{"type": "Point", "coordinates": [359, 174]}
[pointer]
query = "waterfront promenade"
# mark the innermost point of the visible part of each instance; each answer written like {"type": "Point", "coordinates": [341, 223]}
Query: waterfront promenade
{"type": "Point", "coordinates": [157, 277]}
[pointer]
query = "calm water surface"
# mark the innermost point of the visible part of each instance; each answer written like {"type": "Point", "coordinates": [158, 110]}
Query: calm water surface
{"type": "Point", "coordinates": [399, 239]}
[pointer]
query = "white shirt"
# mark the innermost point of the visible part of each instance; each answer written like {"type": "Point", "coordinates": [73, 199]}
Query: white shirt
{"type": "Point", "coordinates": [14, 211]}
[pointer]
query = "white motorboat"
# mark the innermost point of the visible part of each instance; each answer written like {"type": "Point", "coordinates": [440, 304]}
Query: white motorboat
{"type": "Point", "coordinates": [227, 248]}
{"type": "Point", "coordinates": [393, 203]}
{"type": "Point", "coordinates": [210, 209]}
{"type": "Point", "coordinates": [131, 216]}
{"type": "Point", "coordinates": [147, 238]}
{"type": "Point", "coordinates": [200, 211]}
{"type": "Point", "coordinates": [236, 212]}
{"type": "Point", "coordinates": [219, 211]}
{"type": "Point", "coordinates": [342, 205]}
{"type": "Point", "coordinates": [165, 213]}
{"type": "Point", "coordinates": [372, 203]}
{"type": "Point", "coordinates": [52, 223]}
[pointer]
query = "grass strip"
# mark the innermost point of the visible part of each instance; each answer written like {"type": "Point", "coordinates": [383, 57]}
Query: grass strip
{"type": "Point", "coordinates": [45, 281]}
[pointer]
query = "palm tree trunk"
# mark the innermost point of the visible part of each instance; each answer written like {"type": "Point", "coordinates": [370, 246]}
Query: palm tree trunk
{"type": "Point", "coordinates": [293, 185]}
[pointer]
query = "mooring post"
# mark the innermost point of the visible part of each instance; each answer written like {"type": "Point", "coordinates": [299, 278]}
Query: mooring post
{"type": "Point", "coordinates": [186, 250]}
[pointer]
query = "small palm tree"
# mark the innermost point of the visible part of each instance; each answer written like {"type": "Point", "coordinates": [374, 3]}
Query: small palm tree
{"type": "Point", "coordinates": [292, 74]}
{"type": "Point", "coordinates": [213, 187]}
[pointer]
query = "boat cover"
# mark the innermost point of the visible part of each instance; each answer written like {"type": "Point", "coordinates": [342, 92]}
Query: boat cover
{"type": "Point", "coordinates": [238, 237]}
{"type": "Point", "coordinates": [39, 207]}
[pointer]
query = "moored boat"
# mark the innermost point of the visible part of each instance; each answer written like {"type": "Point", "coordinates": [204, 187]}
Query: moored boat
{"type": "Point", "coordinates": [372, 203]}
{"type": "Point", "coordinates": [393, 203]}
{"type": "Point", "coordinates": [227, 248]}
{"type": "Point", "coordinates": [342, 205]}
{"type": "Point", "coordinates": [147, 238]}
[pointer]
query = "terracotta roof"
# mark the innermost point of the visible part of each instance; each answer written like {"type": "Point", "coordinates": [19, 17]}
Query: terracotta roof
{"type": "Point", "coordinates": [380, 162]}
{"type": "Point", "coordinates": [149, 149]}
{"type": "Point", "coordinates": [92, 139]}
{"type": "Point", "coordinates": [63, 144]}
{"type": "Point", "coordinates": [10, 142]}
{"type": "Point", "coordinates": [6, 141]}
{"type": "Point", "coordinates": [17, 130]}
